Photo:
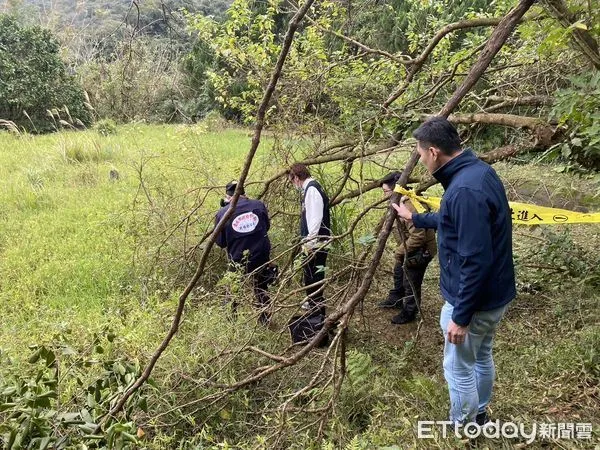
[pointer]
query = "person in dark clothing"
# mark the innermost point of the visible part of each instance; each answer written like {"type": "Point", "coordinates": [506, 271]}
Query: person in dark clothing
{"type": "Point", "coordinates": [477, 277]}
{"type": "Point", "coordinates": [247, 242]}
{"type": "Point", "coordinates": [419, 245]}
{"type": "Point", "coordinates": [315, 230]}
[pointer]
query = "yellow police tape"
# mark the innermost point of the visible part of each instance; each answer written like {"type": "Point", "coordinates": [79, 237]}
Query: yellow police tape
{"type": "Point", "coordinates": [522, 213]}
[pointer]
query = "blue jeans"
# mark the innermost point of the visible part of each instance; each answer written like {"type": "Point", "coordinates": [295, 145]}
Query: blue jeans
{"type": "Point", "coordinates": [469, 367]}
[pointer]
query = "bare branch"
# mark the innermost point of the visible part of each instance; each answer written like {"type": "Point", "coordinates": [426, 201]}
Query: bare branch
{"type": "Point", "coordinates": [366, 187]}
{"type": "Point", "coordinates": [349, 155]}
{"type": "Point", "coordinates": [463, 24]}
{"type": "Point", "coordinates": [260, 121]}
{"type": "Point", "coordinates": [544, 132]}
{"type": "Point", "coordinates": [420, 60]}
{"type": "Point", "coordinates": [400, 59]}
{"type": "Point", "coordinates": [495, 43]}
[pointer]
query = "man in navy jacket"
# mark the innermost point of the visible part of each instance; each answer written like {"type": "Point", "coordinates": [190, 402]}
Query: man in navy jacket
{"type": "Point", "coordinates": [247, 243]}
{"type": "Point", "coordinates": [477, 277]}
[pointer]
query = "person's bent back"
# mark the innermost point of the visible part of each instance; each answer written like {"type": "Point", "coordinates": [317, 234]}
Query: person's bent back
{"type": "Point", "coordinates": [245, 235]}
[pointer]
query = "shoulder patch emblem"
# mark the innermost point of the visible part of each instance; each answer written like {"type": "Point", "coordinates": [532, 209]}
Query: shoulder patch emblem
{"type": "Point", "coordinates": [245, 223]}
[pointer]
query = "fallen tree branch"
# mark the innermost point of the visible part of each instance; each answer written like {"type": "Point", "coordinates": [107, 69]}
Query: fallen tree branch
{"type": "Point", "coordinates": [420, 60]}
{"type": "Point", "coordinates": [461, 25]}
{"type": "Point", "coordinates": [405, 59]}
{"type": "Point", "coordinates": [366, 187]}
{"type": "Point", "coordinates": [511, 102]}
{"type": "Point", "coordinates": [444, 79]}
{"type": "Point", "coordinates": [507, 120]}
{"type": "Point", "coordinates": [347, 156]}
{"type": "Point", "coordinates": [544, 132]}
{"type": "Point", "coordinates": [491, 157]}
{"type": "Point", "coordinates": [260, 121]}
{"type": "Point", "coordinates": [495, 43]}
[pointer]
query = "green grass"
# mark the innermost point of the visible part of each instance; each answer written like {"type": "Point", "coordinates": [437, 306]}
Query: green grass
{"type": "Point", "coordinates": [67, 231]}
{"type": "Point", "coordinates": [81, 253]}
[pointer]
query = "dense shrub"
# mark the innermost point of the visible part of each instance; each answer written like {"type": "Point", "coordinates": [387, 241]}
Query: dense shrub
{"type": "Point", "coordinates": [35, 80]}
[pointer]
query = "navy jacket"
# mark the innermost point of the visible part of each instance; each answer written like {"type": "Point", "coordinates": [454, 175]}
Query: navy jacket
{"type": "Point", "coordinates": [474, 237]}
{"type": "Point", "coordinates": [246, 231]}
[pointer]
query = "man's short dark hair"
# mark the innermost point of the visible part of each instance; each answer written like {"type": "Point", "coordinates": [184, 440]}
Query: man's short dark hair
{"type": "Point", "coordinates": [300, 171]}
{"type": "Point", "coordinates": [391, 178]}
{"type": "Point", "coordinates": [438, 132]}
{"type": "Point", "coordinates": [230, 188]}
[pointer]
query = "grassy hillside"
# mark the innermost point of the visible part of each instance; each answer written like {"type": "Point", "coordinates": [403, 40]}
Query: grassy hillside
{"type": "Point", "coordinates": [69, 231]}
{"type": "Point", "coordinates": [91, 266]}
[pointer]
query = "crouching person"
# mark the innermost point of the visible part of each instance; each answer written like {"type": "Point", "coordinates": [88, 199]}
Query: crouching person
{"type": "Point", "coordinates": [418, 247]}
{"type": "Point", "coordinates": [247, 243]}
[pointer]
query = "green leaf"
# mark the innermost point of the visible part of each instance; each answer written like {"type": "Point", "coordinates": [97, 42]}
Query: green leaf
{"type": "Point", "coordinates": [44, 442]}
{"type": "Point", "coordinates": [7, 406]}
{"type": "Point", "coordinates": [48, 356]}
{"type": "Point", "coordinates": [88, 428]}
{"type": "Point", "coordinates": [367, 239]}
{"type": "Point", "coordinates": [49, 394]}
{"type": "Point", "coordinates": [69, 417]}
{"type": "Point", "coordinates": [94, 437]}
{"type": "Point", "coordinates": [119, 368]}
{"type": "Point", "coordinates": [85, 415]}
{"type": "Point", "coordinates": [129, 437]}
{"type": "Point", "coordinates": [91, 402]}
{"type": "Point", "coordinates": [143, 404]}
{"type": "Point", "coordinates": [41, 402]}
{"type": "Point", "coordinates": [9, 391]}
{"type": "Point", "coordinates": [36, 356]}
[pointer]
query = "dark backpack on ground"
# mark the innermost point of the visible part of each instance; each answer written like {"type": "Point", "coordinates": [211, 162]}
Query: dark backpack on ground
{"type": "Point", "coordinates": [304, 328]}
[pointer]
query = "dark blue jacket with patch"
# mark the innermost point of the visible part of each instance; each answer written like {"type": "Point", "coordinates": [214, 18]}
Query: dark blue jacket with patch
{"type": "Point", "coordinates": [245, 234]}
{"type": "Point", "coordinates": [474, 237]}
